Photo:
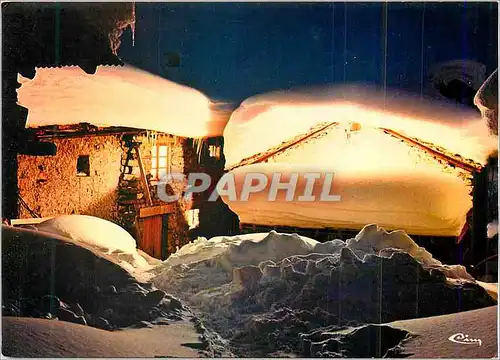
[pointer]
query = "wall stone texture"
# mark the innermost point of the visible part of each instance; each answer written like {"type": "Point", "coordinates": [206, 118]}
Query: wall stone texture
{"type": "Point", "coordinates": [50, 184]}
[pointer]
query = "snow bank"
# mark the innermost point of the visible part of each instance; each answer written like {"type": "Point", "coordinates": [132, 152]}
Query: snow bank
{"type": "Point", "coordinates": [421, 203]}
{"type": "Point", "coordinates": [276, 117]}
{"type": "Point", "coordinates": [243, 249]}
{"type": "Point", "coordinates": [273, 294]}
{"type": "Point", "coordinates": [117, 96]}
{"type": "Point", "coordinates": [258, 249]}
{"type": "Point", "coordinates": [92, 231]}
{"type": "Point", "coordinates": [104, 236]}
{"type": "Point", "coordinates": [373, 239]}
{"type": "Point", "coordinates": [49, 276]}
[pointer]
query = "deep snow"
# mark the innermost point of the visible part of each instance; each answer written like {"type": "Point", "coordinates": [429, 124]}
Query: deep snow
{"type": "Point", "coordinates": [456, 128]}
{"type": "Point", "coordinates": [276, 294]}
{"type": "Point", "coordinates": [117, 96]}
{"type": "Point", "coordinates": [106, 237]}
{"type": "Point", "coordinates": [265, 294]}
{"type": "Point", "coordinates": [428, 202]}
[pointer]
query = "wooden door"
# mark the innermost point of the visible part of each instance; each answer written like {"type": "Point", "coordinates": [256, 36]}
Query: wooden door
{"type": "Point", "coordinates": [154, 238]}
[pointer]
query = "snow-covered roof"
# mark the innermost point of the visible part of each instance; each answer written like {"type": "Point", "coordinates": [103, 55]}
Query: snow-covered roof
{"type": "Point", "coordinates": [117, 96]}
{"type": "Point", "coordinates": [276, 117]}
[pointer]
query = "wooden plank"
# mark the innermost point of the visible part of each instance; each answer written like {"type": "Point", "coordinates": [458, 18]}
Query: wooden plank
{"type": "Point", "coordinates": [151, 240]}
{"type": "Point", "coordinates": [156, 210]}
{"type": "Point", "coordinates": [30, 221]}
{"type": "Point", "coordinates": [145, 185]}
{"type": "Point", "coordinates": [165, 209]}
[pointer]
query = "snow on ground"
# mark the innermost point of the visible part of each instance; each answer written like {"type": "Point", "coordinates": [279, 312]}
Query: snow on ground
{"type": "Point", "coordinates": [434, 333]}
{"type": "Point", "coordinates": [27, 337]}
{"type": "Point", "coordinates": [265, 294]}
{"type": "Point", "coordinates": [49, 276]}
{"type": "Point", "coordinates": [104, 236]}
{"type": "Point", "coordinates": [117, 96]}
{"type": "Point", "coordinates": [275, 117]}
{"type": "Point", "coordinates": [275, 294]}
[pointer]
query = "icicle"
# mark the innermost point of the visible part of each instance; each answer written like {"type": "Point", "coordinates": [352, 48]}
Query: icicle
{"type": "Point", "coordinates": [132, 27]}
{"type": "Point", "coordinates": [132, 24]}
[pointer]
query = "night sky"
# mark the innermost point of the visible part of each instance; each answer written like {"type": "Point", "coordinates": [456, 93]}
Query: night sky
{"type": "Point", "coordinates": [231, 51]}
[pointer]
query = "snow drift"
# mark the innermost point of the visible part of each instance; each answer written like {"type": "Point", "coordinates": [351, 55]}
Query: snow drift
{"type": "Point", "coordinates": [274, 293]}
{"type": "Point", "coordinates": [104, 236]}
{"type": "Point", "coordinates": [275, 117]}
{"type": "Point", "coordinates": [91, 231]}
{"type": "Point", "coordinates": [49, 276]}
{"type": "Point", "coordinates": [421, 203]}
{"type": "Point", "coordinates": [117, 96]}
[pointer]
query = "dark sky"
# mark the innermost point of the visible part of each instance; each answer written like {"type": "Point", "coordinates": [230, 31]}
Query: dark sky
{"type": "Point", "coordinates": [231, 51]}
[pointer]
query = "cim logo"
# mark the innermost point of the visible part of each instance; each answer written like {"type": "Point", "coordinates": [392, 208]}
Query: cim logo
{"type": "Point", "coordinates": [460, 338]}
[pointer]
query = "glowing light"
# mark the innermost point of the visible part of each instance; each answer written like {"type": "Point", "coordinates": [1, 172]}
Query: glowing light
{"type": "Point", "coordinates": [278, 117]}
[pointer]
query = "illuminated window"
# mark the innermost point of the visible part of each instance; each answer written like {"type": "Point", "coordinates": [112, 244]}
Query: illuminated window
{"type": "Point", "coordinates": [159, 161]}
{"type": "Point", "coordinates": [192, 218]}
{"type": "Point", "coordinates": [214, 151]}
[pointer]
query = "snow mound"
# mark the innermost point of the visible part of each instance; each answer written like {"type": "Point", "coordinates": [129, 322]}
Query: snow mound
{"type": "Point", "coordinates": [91, 231]}
{"type": "Point", "coordinates": [210, 263]}
{"type": "Point", "coordinates": [50, 276]}
{"type": "Point", "coordinates": [105, 237]}
{"type": "Point", "coordinates": [262, 291]}
{"type": "Point", "coordinates": [373, 239]}
{"type": "Point", "coordinates": [241, 249]}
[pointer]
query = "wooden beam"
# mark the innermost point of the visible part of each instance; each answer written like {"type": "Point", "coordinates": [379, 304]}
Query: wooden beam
{"type": "Point", "coordinates": [472, 168]}
{"type": "Point", "coordinates": [30, 221]}
{"type": "Point", "coordinates": [145, 184]}
{"type": "Point", "coordinates": [263, 156]}
{"type": "Point", "coordinates": [156, 210]}
{"type": "Point", "coordinates": [164, 209]}
{"type": "Point", "coordinates": [79, 131]}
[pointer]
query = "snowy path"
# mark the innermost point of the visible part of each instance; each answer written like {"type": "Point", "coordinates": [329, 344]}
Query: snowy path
{"type": "Point", "coordinates": [29, 337]}
{"type": "Point", "coordinates": [433, 334]}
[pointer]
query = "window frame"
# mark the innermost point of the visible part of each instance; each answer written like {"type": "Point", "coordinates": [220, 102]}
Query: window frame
{"type": "Point", "coordinates": [155, 160]}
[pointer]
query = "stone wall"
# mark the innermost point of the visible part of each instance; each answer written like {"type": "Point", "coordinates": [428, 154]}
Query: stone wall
{"type": "Point", "coordinates": [50, 185]}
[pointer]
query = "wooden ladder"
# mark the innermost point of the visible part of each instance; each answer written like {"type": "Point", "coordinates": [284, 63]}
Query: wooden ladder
{"type": "Point", "coordinates": [133, 190]}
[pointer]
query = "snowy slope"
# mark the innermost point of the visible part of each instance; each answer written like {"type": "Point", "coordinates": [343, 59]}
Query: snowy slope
{"type": "Point", "coordinates": [117, 96]}
{"type": "Point", "coordinates": [28, 337]}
